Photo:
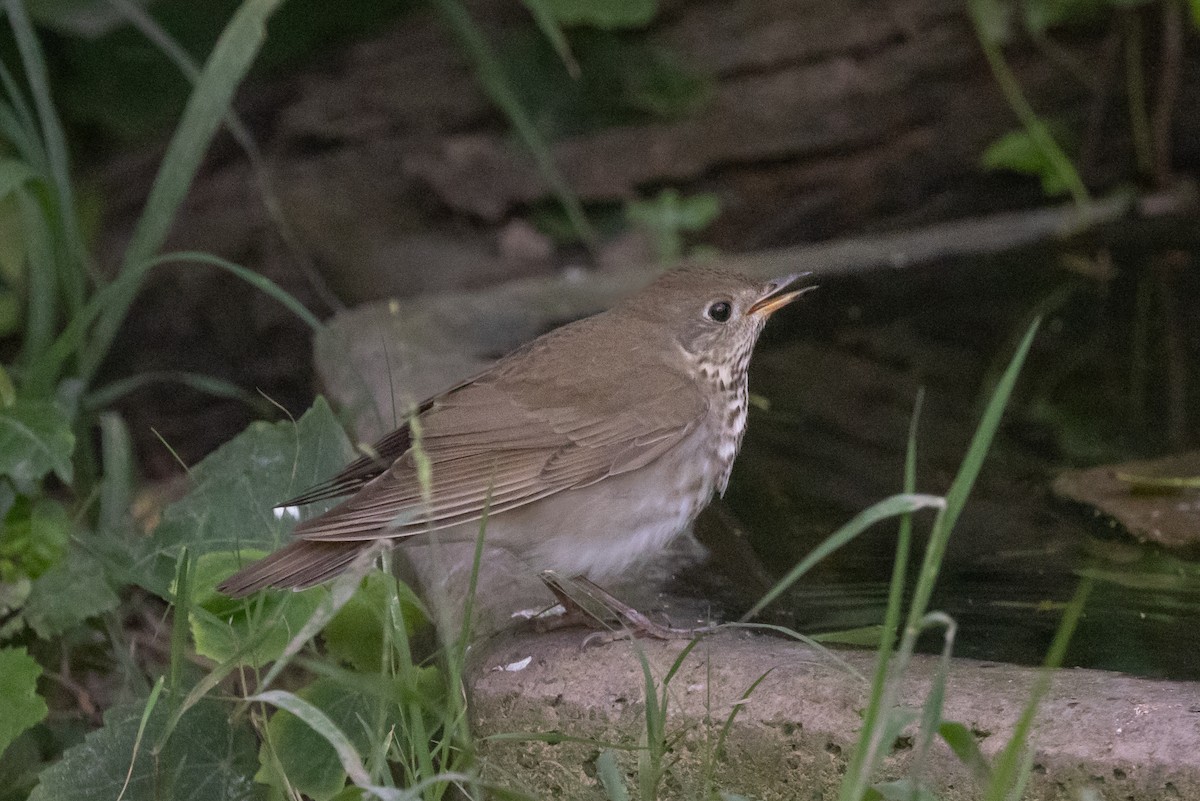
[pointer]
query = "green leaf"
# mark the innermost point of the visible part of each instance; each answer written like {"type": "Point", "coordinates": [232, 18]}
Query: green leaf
{"type": "Point", "coordinates": [1042, 15]}
{"type": "Point", "coordinates": [12, 601]}
{"type": "Point", "coordinates": [991, 20]}
{"type": "Point", "coordinates": [671, 212]}
{"type": "Point", "coordinates": [904, 790]}
{"type": "Point", "coordinates": [606, 14]}
{"type": "Point", "coordinates": [222, 627]}
{"type": "Point", "coordinates": [610, 776]}
{"type": "Point", "coordinates": [668, 215]}
{"type": "Point", "coordinates": [1020, 152]}
{"type": "Point", "coordinates": [119, 474]}
{"type": "Point", "coordinates": [68, 594]}
{"type": "Point", "coordinates": [356, 633]}
{"type": "Point", "coordinates": [235, 489]}
{"type": "Point", "coordinates": [964, 745]}
{"type": "Point", "coordinates": [13, 173]}
{"type": "Point", "coordinates": [303, 748]}
{"type": "Point", "coordinates": [1195, 6]}
{"type": "Point", "coordinates": [35, 439]}
{"type": "Point", "coordinates": [12, 264]}
{"type": "Point", "coordinates": [866, 636]}
{"type": "Point", "coordinates": [22, 706]}
{"type": "Point", "coordinates": [34, 538]}
{"type": "Point", "coordinates": [207, 758]}
{"type": "Point", "coordinates": [543, 15]}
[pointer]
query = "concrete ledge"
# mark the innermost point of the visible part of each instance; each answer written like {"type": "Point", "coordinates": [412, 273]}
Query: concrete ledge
{"type": "Point", "coordinates": [1125, 738]}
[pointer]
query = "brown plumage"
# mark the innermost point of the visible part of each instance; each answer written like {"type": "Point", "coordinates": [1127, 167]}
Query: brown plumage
{"type": "Point", "coordinates": [588, 447]}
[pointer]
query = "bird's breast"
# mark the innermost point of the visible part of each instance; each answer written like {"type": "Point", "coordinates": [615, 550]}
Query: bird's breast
{"type": "Point", "coordinates": [725, 386]}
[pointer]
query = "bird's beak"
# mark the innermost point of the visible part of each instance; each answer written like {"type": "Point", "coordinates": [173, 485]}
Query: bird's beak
{"type": "Point", "coordinates": [774, 297]}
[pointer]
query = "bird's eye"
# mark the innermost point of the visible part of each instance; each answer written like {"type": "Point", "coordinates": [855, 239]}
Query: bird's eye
{"type": "Point", "coordinates": [719, 311]}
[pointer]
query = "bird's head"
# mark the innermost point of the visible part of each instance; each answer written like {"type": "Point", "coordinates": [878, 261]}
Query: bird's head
{"type": "Point", "coordinates": [715, 316]}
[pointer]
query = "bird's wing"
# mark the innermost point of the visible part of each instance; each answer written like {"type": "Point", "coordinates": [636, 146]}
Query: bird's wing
{"type": "Point", "coordinates": [357, 474]}
{"type": "Point", "coordinates": [489, 446]}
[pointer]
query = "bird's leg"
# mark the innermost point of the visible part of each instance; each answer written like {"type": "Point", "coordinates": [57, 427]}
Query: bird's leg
{"type": "Point", "coordinates": [636, 623]}
{"type": "Point", "coordinates": [573, 613]}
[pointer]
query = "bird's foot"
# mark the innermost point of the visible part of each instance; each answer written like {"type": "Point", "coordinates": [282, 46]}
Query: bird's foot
{"type": "Point", "coordinates": [633, 623]}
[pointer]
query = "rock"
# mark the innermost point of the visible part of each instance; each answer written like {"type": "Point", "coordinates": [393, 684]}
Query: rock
{"type": "Point", "coordinates": [1155, 500]}
{"type": "Point", "coordinates": [1116, 736]}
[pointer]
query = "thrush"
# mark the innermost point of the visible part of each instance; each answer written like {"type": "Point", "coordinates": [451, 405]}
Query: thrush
{"type": "Point", "coordinates": [588, 449]}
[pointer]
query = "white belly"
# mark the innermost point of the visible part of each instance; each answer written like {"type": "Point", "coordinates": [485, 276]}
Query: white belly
{"type": "Point", "coordinates": [601, 530]}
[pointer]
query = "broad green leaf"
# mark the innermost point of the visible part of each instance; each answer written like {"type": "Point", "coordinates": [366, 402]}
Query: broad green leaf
{"type": "Point", "coordinates": [606, 14]}
{"type": "Point", "coordinates": [34, 538]}
{"type": "Point", "coordinates": [222, 627]}
{"type": "Point", "coordinates": [207, 758]}
{"type": "Point", "coordinates": [356, 633]}
{"type": "Point", "coordinates": [305, 754]}
{"type": "Point", "coordinates": [35, 439]}
{"type": "Point", "coordinates": [235, 489]}
{"type": "Point", "coordinates": [25, 757]}
{"type": "Point", "coordinates": [1195, 6]}
{"type": "Point", "coordinates": [12, 601]}
{"type": "Point", "coordinates": [69, 593]}
{"type": "Point", "coordinates": [22, 706]}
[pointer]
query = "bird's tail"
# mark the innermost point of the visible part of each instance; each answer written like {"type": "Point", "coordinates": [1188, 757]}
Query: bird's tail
{"type": "Point", "coordinates": [298, 566]}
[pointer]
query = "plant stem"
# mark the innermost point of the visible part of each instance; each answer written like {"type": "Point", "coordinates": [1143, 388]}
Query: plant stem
{"type": "Point", "coordinates": [495, 83]}
{"type": "Point", "coordinates": [1032, 123]}
{"type": "Point", "coordinates": [1135, 89]}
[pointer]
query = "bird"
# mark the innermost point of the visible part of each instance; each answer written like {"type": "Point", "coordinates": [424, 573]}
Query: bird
{"type": "Point", "coordinates": [585, 451]}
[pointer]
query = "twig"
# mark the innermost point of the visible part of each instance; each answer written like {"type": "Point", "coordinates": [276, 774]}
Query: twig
{"type": "Point", "coordinates": [997, 233]}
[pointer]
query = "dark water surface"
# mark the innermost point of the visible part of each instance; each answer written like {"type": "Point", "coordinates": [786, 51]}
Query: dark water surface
{"type": "Point", "coordinates": [841, 373]}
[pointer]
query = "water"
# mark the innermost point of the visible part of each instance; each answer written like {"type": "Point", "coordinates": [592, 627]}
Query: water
{"type": "Point", "coordinates": [841, 375]}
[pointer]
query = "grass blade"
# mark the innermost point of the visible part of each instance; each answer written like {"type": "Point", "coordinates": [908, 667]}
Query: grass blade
{"type": "Point", "coordinates": [41, 315]}
{"type": "Point", "coordinates": [319, 722]}
{"type": "Point", "coordinates": [227, 65]}
{"type": "Point", "coordinates": [891, 620]}
{"type": "Point", "coordinates": [75, 332]}
{"type": "Point", "coordinates": [55, 141]}
{"type": "Point", "coordinates": [1007, 773]}
{"type": "Point", "coordinates": [889, 507]}
{"type": "Point", "coordinates": [495, 83]}
{"type": "Point", "coordinates": [119, 474]}
{"type": "Point", "coordinates": [183, 61]}
{"type": "Point", "coordinates": [182, 604]}
{"type": "Point", "coordinates": [610, 777]}
{"type": "Point", "coordinates": [210, 385]}
{"type": "Point", "coordinates": [151, 703]}
{"type": "Point", "coordinates": [873, 743]}
{"type": "Point", "coordinates": [543, 15]}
